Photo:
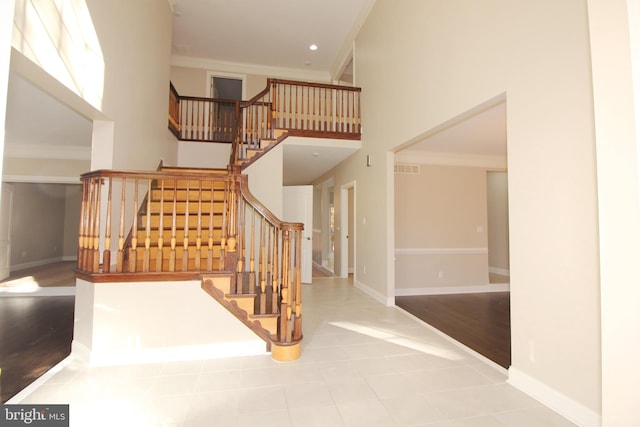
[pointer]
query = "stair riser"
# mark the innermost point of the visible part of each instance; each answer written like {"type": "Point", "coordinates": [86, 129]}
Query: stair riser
{"type": "Point", "coordinates": [192, 235]}
{"type": "Point", "coordinates": [181, 195]}
{"type": "Point", "coordinates": [193, 184]}
{"type": "Point", "coordinates": [166, 252]}
{"type": "Point", "coordinates": [193, 221]}
{"type": "Point", "coordinates": [181, 207]}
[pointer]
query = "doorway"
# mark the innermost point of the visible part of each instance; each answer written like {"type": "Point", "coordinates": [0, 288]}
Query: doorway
{"type": "Point", "coordinates": [347, 234]}
{"type": "Point", "coordinates": [498, 227]}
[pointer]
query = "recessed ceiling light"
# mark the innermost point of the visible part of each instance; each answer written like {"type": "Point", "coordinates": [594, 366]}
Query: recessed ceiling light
{"type": "Point", "coordinates": [313, 47]}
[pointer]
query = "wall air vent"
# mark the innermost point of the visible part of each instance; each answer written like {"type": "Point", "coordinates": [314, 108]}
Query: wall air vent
{"type": "Point", "coordinates": [406, 168]}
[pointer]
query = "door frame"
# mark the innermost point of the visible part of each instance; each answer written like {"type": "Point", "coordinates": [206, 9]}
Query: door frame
{"type": "Point", "coordinates": [345, 214]}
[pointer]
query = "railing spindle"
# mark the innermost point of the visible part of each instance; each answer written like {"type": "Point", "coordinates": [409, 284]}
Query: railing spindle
{"type": "Point", "coordinates": [106, 256]}
{"type": "Point", "coordinates": [147, 232]}
{"type": "Point", "coordinates": [274, 274]}
{"type": "Point", "coordinates": [198, 256]}
{"type": "Point", "coordinates": [185, 237]}
{"type": "Point", "coordinates": [262, 268]}
{"type": "Point", "coordinates": [252, 259]}
{"type": "Point", "coordinates": [210, 239]}
{"type": "Point", "coordinates": [120, 255]}
{"type": "Point", "coordinates": [174, 238]}
{"type": "Point", "coordinates": [95, 232]}
{"type": "Point", "coordinates": [160, 253]}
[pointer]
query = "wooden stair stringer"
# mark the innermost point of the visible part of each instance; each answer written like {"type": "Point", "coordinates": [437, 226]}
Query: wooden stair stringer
{"type": "Point", "coordinates": [232, 306]}
{"type": "Point", "coordinates": [279, 136]}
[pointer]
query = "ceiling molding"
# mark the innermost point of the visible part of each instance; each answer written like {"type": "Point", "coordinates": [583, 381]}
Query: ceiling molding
{"type": "Point", "coordinates": [451, 159]}
{"type": "Point", "coordinates": [37, 151]}
{"type": "Point", "coordinates": [236, 67]}
{"type": "Point", "coordinates": [42, 179]}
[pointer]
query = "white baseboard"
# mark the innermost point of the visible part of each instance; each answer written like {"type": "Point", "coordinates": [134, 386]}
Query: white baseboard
{"type": "Point", "coordinates": [562, 404]}
{"type": "Point", "coordinates": [38, 263]}
{"type": "Point", "coordinates": [444, 290]}
{"type": "Point", "coordinates": [25, 392]}
{"type": "Point", "coordinates": [168, 354]}
{"type": "Point", "coordinates": [52, 291]}
{"type": "Point", "coordinates": [388, 301]}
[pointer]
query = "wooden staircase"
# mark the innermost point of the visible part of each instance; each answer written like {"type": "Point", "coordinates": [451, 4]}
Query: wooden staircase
{"type": "Point", "coordinates": [204, 224]}
{"type": "Point", "coordinates": [250, 153]}
{"type": "Point", "coordinates": [244, 304]}
{"type": "Point", "coordinates": [190, 214]}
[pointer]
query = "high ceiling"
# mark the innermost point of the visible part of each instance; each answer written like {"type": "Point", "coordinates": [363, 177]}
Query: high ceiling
{"type": "Point", "coordinates": [272, 35]}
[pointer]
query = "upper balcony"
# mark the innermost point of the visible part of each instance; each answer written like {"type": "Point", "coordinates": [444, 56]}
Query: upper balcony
{"type": "Point", "coordinates": [327, 115]}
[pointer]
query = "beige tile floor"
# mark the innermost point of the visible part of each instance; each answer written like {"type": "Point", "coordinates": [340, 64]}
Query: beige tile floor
{"type": "Point", "coordinates": [362, 364]}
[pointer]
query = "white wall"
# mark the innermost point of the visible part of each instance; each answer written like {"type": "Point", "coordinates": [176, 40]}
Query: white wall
{"type": "Point", "coordinates": [135, 38]}
{"type": "Point", "coordinates": [6, 14]}
{"type": "Point", "coordinates": [265, 180]}
{"type": "Point", "coordinates": [617, 127]}
{"type": "Point", "coordinates": [142, 322]}
{"type": "Point", "coordinates": [119, 65]}
{"type": "Point", "coordinates": [203, 155]}
{"type": "Point", "coordinates": [441, 230]}
{"type": "Point", "coordinates": [433, 61]}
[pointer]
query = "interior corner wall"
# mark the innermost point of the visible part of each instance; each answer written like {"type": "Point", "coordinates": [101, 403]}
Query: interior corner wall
{"type": "Point", "coordinates": [73, 201]}
{"type": "Point", "coordinates": [265, 180]}
{"type": "Point", "coordinates": [37, 239]}
{"type": "Point", "coordinates": [441, 229]}
{"type": "Point", "coordinates": [433, 61]}
{"type": "Point", "coordinates": [617, 126]}
{"type": "Point", "coordinates": [190, 81]}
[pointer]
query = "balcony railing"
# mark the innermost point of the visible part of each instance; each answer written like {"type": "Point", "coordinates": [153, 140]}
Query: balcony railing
{"type": "Point", "coordinates": [297, 108]}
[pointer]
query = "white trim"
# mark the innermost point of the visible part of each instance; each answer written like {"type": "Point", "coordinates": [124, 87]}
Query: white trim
{"type": "Point", "coordinates": [25, 392]}
{"type": "Point", "coordinates": [451, 159]}
{"type": "Point", "coordinates": [167, 354]}
{"type": "Point", "coordinates": [345, 214]}
{"type": "Point", "coordinates": [42, 179]}
{"type": "Point", "coordinates": [388, 301]}
{"type": "Point", "coordinates": [47, 151]}
{"type": "Point", "coordinates": [254, 69]}
{"type": "Point", "coordinates": [444, 290]}
{"type": "Point", "coordinates": [18, 267]}
{"type": "Point", "coordinates": [557, 401]}
{"type": "Point", "coordinates": [50, 291]}
{"type": "Point", "coordinates": [440, 251]}
{"type": "Point", "coordinates": [500, 271]}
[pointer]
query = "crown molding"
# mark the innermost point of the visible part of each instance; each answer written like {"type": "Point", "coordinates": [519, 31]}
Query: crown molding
{"type": "Point", "coordinates": [451, 159]}
{"type": "Point", "coordinates": [41, 179]}
{"type": "Point", "coordinates": [38, 151]}
{"type": "Point", "coordinates": [237, 67]}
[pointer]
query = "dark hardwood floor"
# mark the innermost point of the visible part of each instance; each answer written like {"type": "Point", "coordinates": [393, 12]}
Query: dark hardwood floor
{"type": "Point", "coordinates": [35, 331]}
{"type": "Point", "coordinates": [48, 275]}
{"type": "Point", "coordinates": [479, 321]}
